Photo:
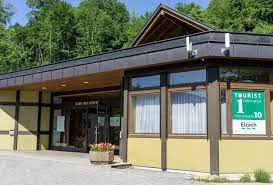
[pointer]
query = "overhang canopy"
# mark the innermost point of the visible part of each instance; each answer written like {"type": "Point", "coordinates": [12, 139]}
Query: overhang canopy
{"type": "Point", "coordinates": [167, 23]}
{"type": "Point", "coordinates": [107, 69]}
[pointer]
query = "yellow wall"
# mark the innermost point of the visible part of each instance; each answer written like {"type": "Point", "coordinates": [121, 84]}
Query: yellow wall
{"type": "Point", "coordinates": [45, 118]}
{"type": "Point", "coordinates": [26, 142]}
{"type": "Point", "coordinates": [188, 154]}
{"type": "Point", "coordinates": [29, 96]}
{"type": "Point", "coordinates": [144, 152]}
{"type": "Point", "coordinates": [245, 156]}
{"type": "Point", "coordinates": [7, 96]}
{"type": "Point", "coordinates": [44, 139]}
{"type": "Point", "coordinates": [7, 118]}
{"type": "Point", "coordinates": [28, 118]}
{"type": "Point", "coordinates": [6, 142]}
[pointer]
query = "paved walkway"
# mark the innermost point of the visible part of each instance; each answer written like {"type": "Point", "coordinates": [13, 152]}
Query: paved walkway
{"type": "Point", "coordinates": [62, 168]}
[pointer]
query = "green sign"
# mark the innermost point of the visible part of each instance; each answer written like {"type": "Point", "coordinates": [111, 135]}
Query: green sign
{"type": "Point", "coordinates": [248, 112]}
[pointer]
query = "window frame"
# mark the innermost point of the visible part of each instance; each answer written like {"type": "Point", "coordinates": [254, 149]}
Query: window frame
{"type": "Point", "coordinates": [131, 121]}
{"type": "Point", "coordinates": [266, 88]}
{"type": "Point", "coordinates": [185, 89]}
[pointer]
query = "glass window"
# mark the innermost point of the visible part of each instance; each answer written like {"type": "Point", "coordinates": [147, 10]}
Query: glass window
{"type": "Point", "coordinates": [189, 112]}
{"type": "Point", "coordinates": [145, 82]}
{"type": "Point", "coordinates": [235, 74]}
{"type": "Point", "coordinates": [223, 112]}
{"type": "Point", "coordinates": [146, 113]}
{"type": "Point", "coordinates": [188, 77]}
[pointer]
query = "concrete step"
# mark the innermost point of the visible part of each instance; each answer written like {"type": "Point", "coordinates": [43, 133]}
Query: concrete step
{"type": "Point", "coordinates": [121, 165]}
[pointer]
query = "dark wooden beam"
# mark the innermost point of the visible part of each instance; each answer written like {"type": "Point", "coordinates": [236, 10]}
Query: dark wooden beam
{"type": "Point", "coordinates": [213, 120]}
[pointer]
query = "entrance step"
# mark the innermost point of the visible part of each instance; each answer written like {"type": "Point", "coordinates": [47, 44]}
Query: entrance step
{"type": "Point", "coordinates": [121, 165]}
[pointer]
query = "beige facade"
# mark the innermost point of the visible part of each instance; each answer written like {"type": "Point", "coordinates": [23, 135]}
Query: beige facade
{"type": "Point", "coordinates": [21, 117]}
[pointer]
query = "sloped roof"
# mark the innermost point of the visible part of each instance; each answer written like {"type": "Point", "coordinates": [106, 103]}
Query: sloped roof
{"type": "Point", "coordinates": [166, 23]}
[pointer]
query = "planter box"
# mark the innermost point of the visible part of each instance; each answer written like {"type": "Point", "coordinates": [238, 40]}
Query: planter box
{"type": "Point", "coordinates": [101, 157]}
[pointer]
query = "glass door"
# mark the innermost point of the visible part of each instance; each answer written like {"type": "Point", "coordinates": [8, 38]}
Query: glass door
{"type": "Point", "coordinates": [78, 128]}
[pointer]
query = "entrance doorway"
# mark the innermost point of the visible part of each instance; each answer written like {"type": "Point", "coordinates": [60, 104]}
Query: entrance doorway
{"type": "Point", "coordinates": [83, 120]}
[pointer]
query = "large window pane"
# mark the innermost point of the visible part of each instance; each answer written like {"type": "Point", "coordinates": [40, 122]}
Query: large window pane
{"type": "Point", "coordinates": [147, 113]}
{"type": "Point", "coordinates": [189, 112]}
{"type": "Point", "coordinates": [145, 82]}
{"type": "Point", "coordinates": [188, 77]}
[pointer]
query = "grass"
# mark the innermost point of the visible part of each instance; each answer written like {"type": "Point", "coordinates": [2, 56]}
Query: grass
{"type": "Point", "coordinates": [262, 176]}
{"type": "Point", "coordinates": [213, 179]}
{"type": "Point", "coordinates": [246, 179]}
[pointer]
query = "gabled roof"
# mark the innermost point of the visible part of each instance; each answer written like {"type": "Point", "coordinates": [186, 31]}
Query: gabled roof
{"type": "Point", "coordinates": [167, 23]}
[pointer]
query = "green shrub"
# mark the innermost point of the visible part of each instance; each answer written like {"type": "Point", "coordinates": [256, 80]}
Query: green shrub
{"type": "Point", "coordinates": [219, 180]}
{"type": "Point", "coordinates": [262, 176]}
{"type": "Point", "coordinates": [214, 179]}
{"type": "Point", "coordinates": [246, 178]}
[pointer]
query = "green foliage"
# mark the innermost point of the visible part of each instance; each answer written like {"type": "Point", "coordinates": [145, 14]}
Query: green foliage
{"type": "Point", "coordinates": [12, 55]}
{"type": "Point", "coordinates": [262, 176]}
{"type": "Point", "coordinates": [134, 26]}
{"type": "Point", "coordinates": [216, 179]}
{"type": "Point", "coordinates": [100, 26]}
{"type": "Point", "coordinates": [245, 178]}
{"type": "Point", "coordinates": [5, 12]}
{"type": "Point", "coordinates": [192, 9]}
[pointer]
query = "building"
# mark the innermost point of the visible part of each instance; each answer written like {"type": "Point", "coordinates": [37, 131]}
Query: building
{"type": "Point", "coordinates": [183, 97]}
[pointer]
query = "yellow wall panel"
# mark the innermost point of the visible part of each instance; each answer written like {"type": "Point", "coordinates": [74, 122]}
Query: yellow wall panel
{"type": "Point", "coordinates": [7, 117]}
{"type": "Point", "coordinates": [26, 142]}
{"type": "Point", "coordinates": [144, 152]}
{"type": "Point", "coordinates": [188, 154]}
{"type": "Point", "coordinates": [44, 139]}
{"type": "Point", "coordinates": [6, 142]}
{"type": "Point", "coordinates": [29, 96]}
{"type": "Point", "coordinates": [7, 96]}
{"type": "Point", "coordinates": [45, 118]}
{"type": "Point", "coordinates": [28, 118]}
{"type": "Point", "coordinates": [46, 97]}
{"type": "Point", "coordinates": [245, 156]}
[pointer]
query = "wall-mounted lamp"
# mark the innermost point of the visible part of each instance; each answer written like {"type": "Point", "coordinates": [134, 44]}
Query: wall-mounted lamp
{"type": "Point", "coordinates": [226, 50]}
{"type": "Point", "coordinates": [191, 53]}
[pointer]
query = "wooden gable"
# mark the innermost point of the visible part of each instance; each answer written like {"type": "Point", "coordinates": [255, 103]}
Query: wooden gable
{"type": "Point", "coordinates": [167, 23]}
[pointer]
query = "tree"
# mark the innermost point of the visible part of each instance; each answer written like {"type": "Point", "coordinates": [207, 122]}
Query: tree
{"type": "Point", "coordinates": [134, 25]}
{"type": "Point", "coordinates": [192, 9]}
{"type": "Point", "coordinates": [240, 15]}
{"type": "Point", "coordinates": [12, 56]}
{"type": "Point", "coordinates": [100, 26]}
{"type": "Point", "coordinates": [5, 12]}
{"type": "Point", "coordinates": [51, 33]}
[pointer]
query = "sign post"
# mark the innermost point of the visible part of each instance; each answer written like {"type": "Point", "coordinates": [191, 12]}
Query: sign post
{"type": "Point", "coordinates": [248, 112]}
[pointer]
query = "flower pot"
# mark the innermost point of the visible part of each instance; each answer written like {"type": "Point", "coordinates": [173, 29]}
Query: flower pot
{"type": "Point", "coordinates": [101, 157]}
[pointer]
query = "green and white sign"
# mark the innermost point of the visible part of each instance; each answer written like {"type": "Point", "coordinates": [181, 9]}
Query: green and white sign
{"type": "Point", "coordinates": [248, 112]}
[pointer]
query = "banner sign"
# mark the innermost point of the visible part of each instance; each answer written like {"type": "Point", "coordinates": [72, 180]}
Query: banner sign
{"type": "Point", "coordinates": [248, 112]}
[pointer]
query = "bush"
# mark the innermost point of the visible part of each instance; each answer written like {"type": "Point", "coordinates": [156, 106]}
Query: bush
{"type": "Point", "coordinates": [246, 178]}
{"type": "Point", "coordinates": [214, 179]}
{"type": "Point", "coordinates": [262, 176]}
{"type": "Point", "coordinates": [219, 180]}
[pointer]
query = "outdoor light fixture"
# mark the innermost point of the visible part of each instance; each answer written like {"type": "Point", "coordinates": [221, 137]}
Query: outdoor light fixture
{"type": "Point", "coordinates": [63, 85]}
{"type": "Point", "coordinates": [226, 50]}
{"type": "Point", "coordinates": [191, 53]}
{"type": "Point", "coordinates": [85, 82]}
{"type": "Point", "coordinates": [44, 88]}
